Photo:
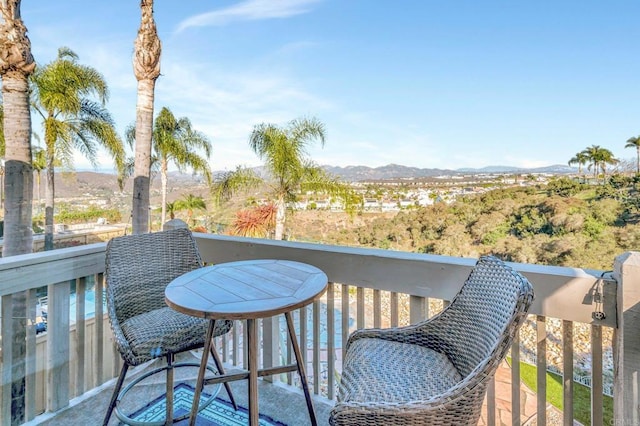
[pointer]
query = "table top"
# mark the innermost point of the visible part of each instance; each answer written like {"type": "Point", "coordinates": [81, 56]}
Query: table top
{"type": "Point", "coordinates": [246, 289]}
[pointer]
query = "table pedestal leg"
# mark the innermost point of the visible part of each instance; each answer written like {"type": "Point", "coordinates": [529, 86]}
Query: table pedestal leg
{"type": "Point", "coordinates": [301, 369]}
{"type": "Point", "coordinates": [220, 368]}
{"type": "Point", "coordinates": [201, 372]}
{"type": "Point", "coordinates": [253, 371]}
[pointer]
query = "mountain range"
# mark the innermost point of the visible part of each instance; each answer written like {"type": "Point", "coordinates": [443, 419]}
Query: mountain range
{"type": "Point", "coordinates": [396, 171]}
{"type": "Point", "coordinates": [97, 181]}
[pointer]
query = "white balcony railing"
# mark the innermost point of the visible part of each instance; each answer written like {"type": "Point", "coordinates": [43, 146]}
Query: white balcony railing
{"type": "Point", "coordinates": [368, 288]}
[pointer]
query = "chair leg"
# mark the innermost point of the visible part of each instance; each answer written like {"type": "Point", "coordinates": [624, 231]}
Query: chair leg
{"type": "Point", "coordinates": [169, 391]}
{"type": "Point", "coordinates": [220, 368]}
{"type": "Point", "coordinates": [116, 391]}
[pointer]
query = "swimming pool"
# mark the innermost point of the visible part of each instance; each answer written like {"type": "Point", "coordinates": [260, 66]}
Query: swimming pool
{"type": "Point", "coordinates": [89, 308]}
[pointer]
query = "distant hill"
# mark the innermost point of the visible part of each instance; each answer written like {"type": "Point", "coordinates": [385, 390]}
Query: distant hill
{"type": "Point", "coordinates": [390, 171]}
{"type": "Point", "coordinates": [396, 171]}
{"type": "Point", "coordinates": [556, 168]}
{"type": "Point", "coordinates": [100, 183]}
{"type": "Point", "coordinates": [80, 183]}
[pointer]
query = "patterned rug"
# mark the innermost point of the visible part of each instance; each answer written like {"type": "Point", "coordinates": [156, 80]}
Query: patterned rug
{"type": "Point", "coordinates": [218, 413]}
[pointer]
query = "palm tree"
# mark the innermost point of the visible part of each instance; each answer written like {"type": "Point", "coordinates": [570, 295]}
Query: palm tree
{"type": "Point", "coordinates": [16, 64]}
{"type": "Point", "coordinates": [146, 67]}
{"type": "Point", "coordinates": [171, 208]}
{"type": "Point", "coordinates": [580, 159]}
{"type": "Point", "coordinates": [284, 149]}
{"type": "Point", "coordinates": [174, 140]}
{"type": "Point", "coordinates": [634, 142]}
{"type": "Point", "coordinates": [39, 164]}
{"type": "Point", "coordinates": [599, 158]}
{"type": "Point", "coordinates": [592, 154]}
{"type": "Point", "coordinates": [190, 203]}
{"type": "Point", "coordinates": [64, 93]}
{"type": "Point", "coordinates": [606, 158]}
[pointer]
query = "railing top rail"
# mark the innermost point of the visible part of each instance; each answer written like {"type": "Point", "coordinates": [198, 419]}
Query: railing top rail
{"type": "Point", "coordinates": [27, 271]}
{"type": "Point", "coordinates": [561, 292]}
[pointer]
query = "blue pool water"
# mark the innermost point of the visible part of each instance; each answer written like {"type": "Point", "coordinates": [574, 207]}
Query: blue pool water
{"type": "Point", "coordinates": [89, 307]}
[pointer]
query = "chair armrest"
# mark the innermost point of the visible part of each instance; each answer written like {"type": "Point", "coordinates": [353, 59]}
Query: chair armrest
{"type": "Point", "coordinates": [420, 333]}
{"type": "Point", "coordinates": [119, 339]}
{"type": "Point", "coordinates": [415, 333]}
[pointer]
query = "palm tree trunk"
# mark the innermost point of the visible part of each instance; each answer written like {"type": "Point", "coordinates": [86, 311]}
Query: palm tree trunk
{"type": "Point", "coordinates": [39, 190]}
{"type": "Point", "coordinates": [1, 183]}
{"type": "Point", "coordinates": [18, 180]}
{"type": "Point", "coordinates": [146, 67]}
{"type": "Point", "coordinates": [16, 64]}
{"type": "Point", "coordinates": [50, 192]}
{"type": "Point", "coordinates": [18, 239]}
{"type": "Point", "coordinates": [580, 177]}
{"type": "Point", "coordinates": [163, 180]}
{"type": "Point", "coordinates": [280, 217]}
{"type": "Point", "coordinates": [49, 200]}
{"type": "Point", "coordinates": [142, 173]}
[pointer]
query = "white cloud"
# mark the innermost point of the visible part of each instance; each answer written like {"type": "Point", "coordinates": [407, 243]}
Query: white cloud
{"type": "Point", "coordinates": [226, 103]}
{"type": "Point", "coordinates": [527, 163]}
{"type": "Point", "coordinates": [250, 10]}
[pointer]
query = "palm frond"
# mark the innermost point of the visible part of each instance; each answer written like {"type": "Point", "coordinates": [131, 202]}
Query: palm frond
{"type": "Point", "coordinates": [71, 96]}
{"type": "Point", "coordinates": [229, 183]}
{"type": "Point", "coordinates": [633, 142]}
{"type": "Point", "coordinates": [130, 135]}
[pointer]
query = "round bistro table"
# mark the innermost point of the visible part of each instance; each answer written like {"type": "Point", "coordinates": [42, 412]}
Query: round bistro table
{"type": "Point", "coordinates": [248, 290]}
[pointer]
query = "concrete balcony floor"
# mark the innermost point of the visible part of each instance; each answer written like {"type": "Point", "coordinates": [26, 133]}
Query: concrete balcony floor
{"type": "Point", "coordinates": [277, 400]}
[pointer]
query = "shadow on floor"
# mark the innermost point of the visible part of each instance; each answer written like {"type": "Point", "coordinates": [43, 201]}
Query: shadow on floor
{"type": "Point", "coordinates": [278, 401]}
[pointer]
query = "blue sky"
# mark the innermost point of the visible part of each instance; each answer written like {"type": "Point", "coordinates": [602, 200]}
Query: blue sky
{"type": "Point", "coordinates": [422, 83]}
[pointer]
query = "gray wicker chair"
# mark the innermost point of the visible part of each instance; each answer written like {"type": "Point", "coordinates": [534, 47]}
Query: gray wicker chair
{"type": "Point", "coordinates": [138, 268]}
{"type": "Point", "coordinates": [435, 372]}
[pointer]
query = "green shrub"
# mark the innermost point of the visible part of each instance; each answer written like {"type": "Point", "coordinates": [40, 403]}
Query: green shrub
{"type": "Point", "coordinates": [593, 228]}
{"type": "Point", "coordinates": [92, 214]}
{"type": "Point", "coordinates": [563, 187]}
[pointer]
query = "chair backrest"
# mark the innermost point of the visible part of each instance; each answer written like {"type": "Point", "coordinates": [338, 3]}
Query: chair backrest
{"type": "Point", "coordinates": [480, 323]}
{"type": "Point", "coordinates": [139, 267]}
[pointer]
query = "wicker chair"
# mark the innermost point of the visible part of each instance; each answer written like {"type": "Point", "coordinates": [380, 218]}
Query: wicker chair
{"type": "Point", "coordinates": [435, 372]}
{"type": "Point", "coordinates": [138, 268]}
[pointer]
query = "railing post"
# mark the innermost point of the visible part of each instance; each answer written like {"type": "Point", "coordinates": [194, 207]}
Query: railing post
{"type": "Point", "coordinates": [626, 409]}
{"type": "Point", "coordinates": [174, 224]}
{"type": "Point", "coordinates": [58, 348]}
{"type": "Point", "coordinates": [270, 344]}
{"type": "Point", "coordinates": [6, 361]}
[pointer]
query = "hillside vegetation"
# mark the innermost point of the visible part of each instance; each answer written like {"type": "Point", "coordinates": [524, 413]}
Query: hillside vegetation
{"type": "Point", "coordinates": [564, 223]}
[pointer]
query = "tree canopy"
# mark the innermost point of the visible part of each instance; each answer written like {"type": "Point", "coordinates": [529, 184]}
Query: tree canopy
{"type": "Point", "coordinates": [174, 141]}
{"type": "Point", "coordinates": [70, 98]}
{"type": "Point", "coordinates": [290, 171]}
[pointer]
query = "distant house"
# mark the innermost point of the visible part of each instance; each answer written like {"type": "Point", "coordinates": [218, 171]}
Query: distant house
{"type": "Point", "coordinates": [405, 202]}
{"type": "Point", "coordinates": [371, 204]}
{"type": "Point", "coordinates": [321, 204]}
